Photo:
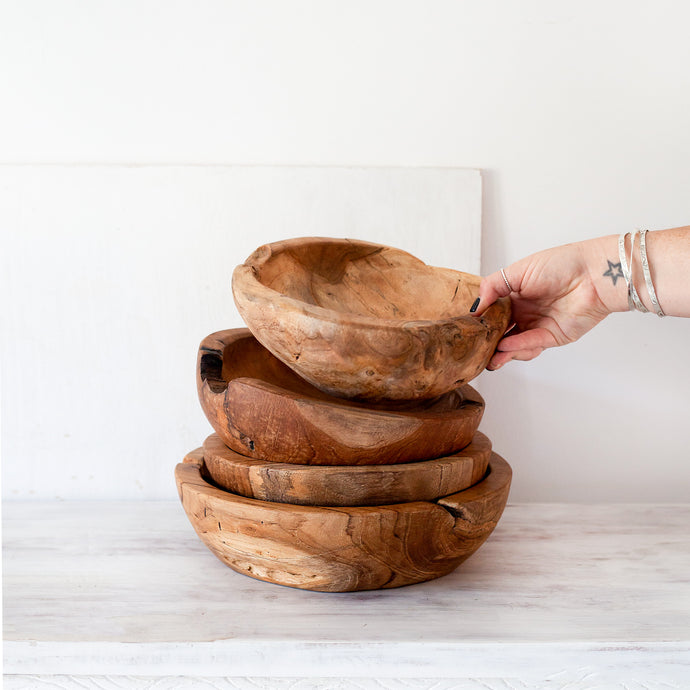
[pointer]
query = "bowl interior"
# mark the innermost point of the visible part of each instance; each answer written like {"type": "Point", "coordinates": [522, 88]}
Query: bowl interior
{"type": "Point", "coordinates": [370, 280]}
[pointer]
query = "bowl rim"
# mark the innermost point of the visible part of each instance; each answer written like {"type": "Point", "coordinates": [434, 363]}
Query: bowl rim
{"type": "Point", "coordinates": [498, 476]}
{"type": "Point", "coordinates": [480, 444]}
{"type": "Point", "coordinates": [263, 254]}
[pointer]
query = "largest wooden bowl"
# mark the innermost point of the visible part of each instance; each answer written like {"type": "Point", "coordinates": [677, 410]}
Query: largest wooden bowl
{"type": "Point", "coordinates": [364, 321]}
{"type": "Point", "coordinates": [342, 549]}
{"type": "Point", "coordinates": [262, 409]}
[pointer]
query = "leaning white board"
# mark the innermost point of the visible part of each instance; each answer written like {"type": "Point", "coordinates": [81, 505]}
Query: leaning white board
{"type": "Point", "coordinates": [110, 276]}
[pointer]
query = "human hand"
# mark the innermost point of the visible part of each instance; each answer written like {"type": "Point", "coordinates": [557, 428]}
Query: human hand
{"type": "Point", "coordinates": [554, 301]}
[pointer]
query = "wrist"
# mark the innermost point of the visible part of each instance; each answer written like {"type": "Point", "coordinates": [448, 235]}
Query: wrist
{"type": "Point", "coordinates": [605, 272]}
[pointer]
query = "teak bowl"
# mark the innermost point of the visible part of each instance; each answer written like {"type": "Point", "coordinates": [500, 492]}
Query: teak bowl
{"type": "Point", "coordinates": [356, 485]}
{"type": "Point", "coordinates": [261, 409]}
{"type": "Point", "coordinates": [342, 549]}
{"type": "Point", "coordinates": [365, 321]}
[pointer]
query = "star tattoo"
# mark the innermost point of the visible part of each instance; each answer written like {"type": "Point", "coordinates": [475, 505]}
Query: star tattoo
{"type": "Point", "coordinates": [614, 271]}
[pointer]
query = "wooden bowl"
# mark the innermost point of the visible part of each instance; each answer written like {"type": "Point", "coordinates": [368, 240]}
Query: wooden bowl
{"type": "Point", "coordinates": [354, 485]}
{"type": "Point", "coordinates": [364, 321]}
{"type": "Point", "coordinates": [342, 549]}
{"type": "Point", "coordinates": [261, 409]}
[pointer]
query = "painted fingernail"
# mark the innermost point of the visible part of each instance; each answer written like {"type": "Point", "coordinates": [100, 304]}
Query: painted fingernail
{"type": "Point", "coordinates": [474, 306]}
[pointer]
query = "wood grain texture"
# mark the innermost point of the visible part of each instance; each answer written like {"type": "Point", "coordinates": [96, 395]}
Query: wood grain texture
{"type": "Point", "coordinates": [343, 549]}
{"type": "Point", "coordinates": [261, 409]}
{"type": "Point", "coordinates": [365, 321]}
{"type": "Point", "coordinates": [357, 485]}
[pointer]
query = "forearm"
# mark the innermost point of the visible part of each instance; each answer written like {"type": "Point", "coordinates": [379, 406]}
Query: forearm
{"type": "Point", "coordinates": [668, 254]}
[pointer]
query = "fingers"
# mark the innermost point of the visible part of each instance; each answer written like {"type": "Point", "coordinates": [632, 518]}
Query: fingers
{"type": "Point", "coordinates": [501, 358]}
{"type": "Point", "coordinates": [521, 346]}
{"type": "Point", "coordinates": [535, 338]}
{"type": "Point", "coordinates": [494, 286]}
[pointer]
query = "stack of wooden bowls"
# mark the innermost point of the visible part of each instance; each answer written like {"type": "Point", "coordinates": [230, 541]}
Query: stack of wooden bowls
{"type": "Point", "coordinates": [346, 454]}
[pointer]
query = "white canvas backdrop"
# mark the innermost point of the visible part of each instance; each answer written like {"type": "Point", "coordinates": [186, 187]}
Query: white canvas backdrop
{"type": "Point", "coordinates": [111, 275]}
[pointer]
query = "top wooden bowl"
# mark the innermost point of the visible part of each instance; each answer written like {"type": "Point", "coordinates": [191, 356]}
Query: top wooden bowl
{"type": "Point", "coordinates": [364, 321]}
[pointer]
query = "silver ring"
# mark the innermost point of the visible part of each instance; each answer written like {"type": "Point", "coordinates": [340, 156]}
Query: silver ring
{"type": "Point", "coordinates": [503, 273]}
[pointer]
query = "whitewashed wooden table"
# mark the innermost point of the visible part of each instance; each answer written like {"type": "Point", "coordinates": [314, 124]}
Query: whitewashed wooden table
{"type": "Point", "coordinates": [123, 594]}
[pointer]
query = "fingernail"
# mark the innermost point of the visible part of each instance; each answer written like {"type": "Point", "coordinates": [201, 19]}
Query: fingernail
{"type": "Point", "coordinates": [474, 306]}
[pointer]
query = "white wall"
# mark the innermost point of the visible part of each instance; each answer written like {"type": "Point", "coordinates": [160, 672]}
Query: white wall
{"type": "Point", "coordinates": [577, 113]}
{"type": "Point", "coordinates": [112, 275]}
